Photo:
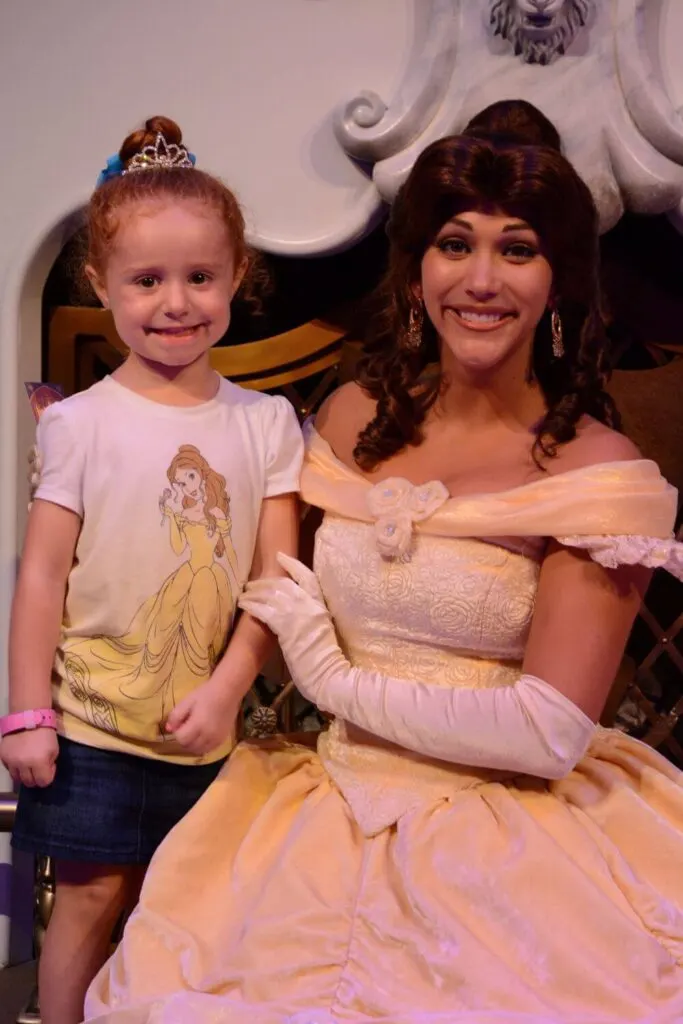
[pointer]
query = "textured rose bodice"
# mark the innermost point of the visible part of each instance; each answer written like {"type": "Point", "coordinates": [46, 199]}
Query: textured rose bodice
{"type": "Point", "coordinates": [452, 613]}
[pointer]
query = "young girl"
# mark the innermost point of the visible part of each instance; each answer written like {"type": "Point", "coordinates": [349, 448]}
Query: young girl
{"type": "Point", "coordinates": [163, 489]}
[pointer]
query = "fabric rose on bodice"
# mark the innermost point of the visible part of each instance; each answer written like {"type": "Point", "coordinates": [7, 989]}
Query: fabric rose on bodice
{"type": "Point", "coordinates": [396, 505]}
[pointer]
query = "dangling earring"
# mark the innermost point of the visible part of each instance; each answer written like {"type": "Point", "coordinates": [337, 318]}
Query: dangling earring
{"type": "Point", "coordinates": [412, 337]}
{"type": "Point", "coordinates": [556, 329]}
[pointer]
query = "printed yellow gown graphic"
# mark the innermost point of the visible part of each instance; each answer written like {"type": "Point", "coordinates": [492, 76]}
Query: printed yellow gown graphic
{"type": "Point", "coordinates": [128, 684]}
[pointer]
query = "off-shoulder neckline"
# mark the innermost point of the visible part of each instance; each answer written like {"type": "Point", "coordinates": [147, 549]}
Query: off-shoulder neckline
{"type": "Point", "coordinates": [596, 468]}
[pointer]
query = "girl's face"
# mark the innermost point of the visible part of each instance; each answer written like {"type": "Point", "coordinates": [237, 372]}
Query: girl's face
{"type": "Point", "coordinates": [169, 280]}
{"type": "Point", "coordinates": [485, 285]}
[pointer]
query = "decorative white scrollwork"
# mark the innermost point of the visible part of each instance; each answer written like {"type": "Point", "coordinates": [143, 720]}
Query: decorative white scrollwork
{"type": "Point", "coordinates": [370, 129]}
{"type": "Point", "coordinates": [606, 95]}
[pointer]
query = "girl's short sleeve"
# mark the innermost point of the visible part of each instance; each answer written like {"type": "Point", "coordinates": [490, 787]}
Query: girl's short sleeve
{"type": "Point", "coordinates": [284, 447]}
{"type": "Point", "coordinates": [62, 459]}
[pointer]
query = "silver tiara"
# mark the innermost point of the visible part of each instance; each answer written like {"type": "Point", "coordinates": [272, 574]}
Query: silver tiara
{"type": "Point", "coordinates": [160, 154]}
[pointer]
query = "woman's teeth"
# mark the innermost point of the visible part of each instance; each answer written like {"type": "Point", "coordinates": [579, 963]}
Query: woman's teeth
{"type": "Point", "coordinates": [482, 318]}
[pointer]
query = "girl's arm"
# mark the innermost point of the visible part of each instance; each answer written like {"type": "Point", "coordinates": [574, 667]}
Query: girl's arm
{"type": "Point", "coordinates": [252, 643]}
{"type": "Point", "coordinates": [37, 611]}
{"type": "Point", "coordinates": [38, 604]}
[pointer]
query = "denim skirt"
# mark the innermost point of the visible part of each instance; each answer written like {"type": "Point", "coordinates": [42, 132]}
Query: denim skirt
{"type": "Point", "coordinates": [107, 807]}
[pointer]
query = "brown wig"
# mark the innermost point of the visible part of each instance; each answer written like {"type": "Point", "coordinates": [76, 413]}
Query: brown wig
{"type": "Point", "coordinates": [537, 185]}
{"type": "Point", "coordinates": [514, 121]}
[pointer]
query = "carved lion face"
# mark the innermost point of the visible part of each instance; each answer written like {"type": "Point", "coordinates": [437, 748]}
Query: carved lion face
{"type": "Point", "coordinates": [539, 30]}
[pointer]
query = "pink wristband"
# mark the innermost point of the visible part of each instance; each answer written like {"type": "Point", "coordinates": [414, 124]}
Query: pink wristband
{"type": "Point", "coordinates": [42, 718]}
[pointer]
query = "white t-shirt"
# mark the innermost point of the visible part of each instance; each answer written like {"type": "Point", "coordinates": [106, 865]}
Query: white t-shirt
{"type": "Point", "coordinates": [170, 500]}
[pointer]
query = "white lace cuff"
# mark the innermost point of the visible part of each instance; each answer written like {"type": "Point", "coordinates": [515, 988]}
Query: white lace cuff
{"type": "Point", "coordinates": [613, 551]}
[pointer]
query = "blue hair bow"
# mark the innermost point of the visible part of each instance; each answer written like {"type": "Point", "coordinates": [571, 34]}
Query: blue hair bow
{"type": "Point", "coordinates": [112, 170]}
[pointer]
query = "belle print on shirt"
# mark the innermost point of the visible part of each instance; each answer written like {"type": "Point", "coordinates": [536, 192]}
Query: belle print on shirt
{"type": "Point", "coordinates": [178, 634]}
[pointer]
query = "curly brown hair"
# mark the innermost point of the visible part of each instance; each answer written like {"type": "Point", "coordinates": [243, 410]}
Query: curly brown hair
{"type": "Point", "coordinates": [113, 195]}
{"type": "Point", "coordinates": [534, 183]}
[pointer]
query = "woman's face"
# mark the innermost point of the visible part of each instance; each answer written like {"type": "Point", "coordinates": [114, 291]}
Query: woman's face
{"type": "Point", "coordinates": [191, 483]}
{"type": "Point", "coordinates": [485, 285]}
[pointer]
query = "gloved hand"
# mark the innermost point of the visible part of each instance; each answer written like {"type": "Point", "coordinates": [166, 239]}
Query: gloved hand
{"type": "Point", "coordinates": [529, 727]}
{"type": "Point", "coordinates": [294, 609]}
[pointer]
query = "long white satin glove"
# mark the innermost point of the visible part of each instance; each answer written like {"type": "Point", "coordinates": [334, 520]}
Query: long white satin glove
{"type": "Point", "coordinates": [530, 728]}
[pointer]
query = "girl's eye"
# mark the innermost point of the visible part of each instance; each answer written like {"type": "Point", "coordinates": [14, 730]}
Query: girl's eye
{"type": "Point", "coordinates": [146, 282]}
{"type": "Point", "coordinates": [453, 246]}
{"type": "Point", "coordinates": [521, 251]}
{"type": "Point", "coordinates": [199, 277]}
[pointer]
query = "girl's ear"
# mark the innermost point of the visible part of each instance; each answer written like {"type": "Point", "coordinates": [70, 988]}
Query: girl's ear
{"type": "Point", "coordinates": [238, 276]}
{"type": "Point", "coordinates": [97, 285]}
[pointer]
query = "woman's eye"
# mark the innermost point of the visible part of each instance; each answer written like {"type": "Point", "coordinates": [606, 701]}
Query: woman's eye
{"type": "Point", "coordinates": [521, 251]}
{"type": "Point", "coordinates": [453, 246]}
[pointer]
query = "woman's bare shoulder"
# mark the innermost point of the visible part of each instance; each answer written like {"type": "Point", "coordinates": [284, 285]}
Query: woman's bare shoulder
{"type": "Point", "coordinates": [595, 443]}
{"type": "Point", "coordinates": [342, 417]}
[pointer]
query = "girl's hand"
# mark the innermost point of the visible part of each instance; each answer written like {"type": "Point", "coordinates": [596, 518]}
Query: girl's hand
{"type": "Point", "coordinates": [206, 718]}
{"type": "Point", "coordinates": [30, 756]}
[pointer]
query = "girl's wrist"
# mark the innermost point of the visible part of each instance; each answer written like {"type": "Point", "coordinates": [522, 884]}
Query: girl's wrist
{"type": "Point", "coordinates": [23, 721]}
